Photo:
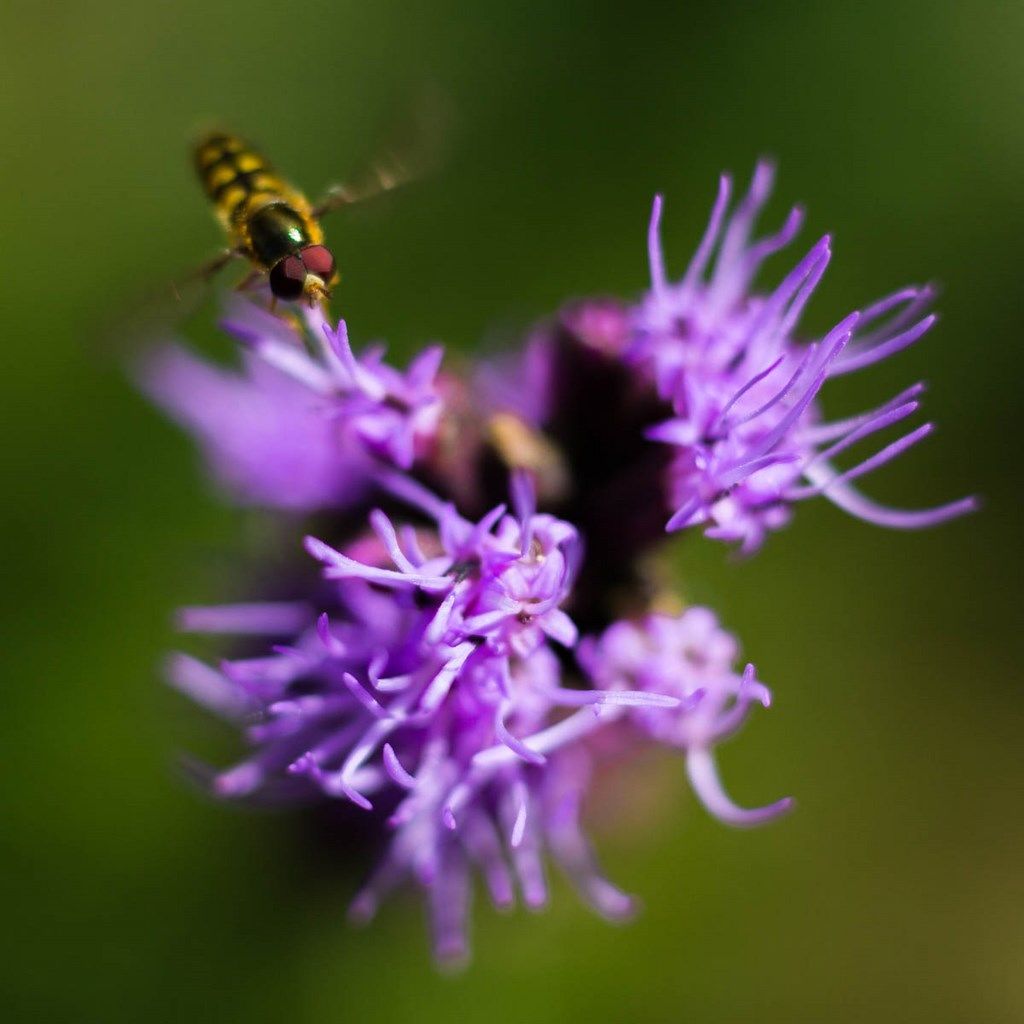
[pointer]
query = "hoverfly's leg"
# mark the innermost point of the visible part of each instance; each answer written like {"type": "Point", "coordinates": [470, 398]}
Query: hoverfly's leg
{"type": "Point", "coordinates": [205, 272]}
{"type": "Point", "coordinates": [249, 280]}
{"type": "Point", "coordinates": [221, 260]}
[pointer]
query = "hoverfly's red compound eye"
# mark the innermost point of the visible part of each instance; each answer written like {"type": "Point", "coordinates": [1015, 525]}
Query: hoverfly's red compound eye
{"type": "Point", "coordinates": [319, 261]}
{"type": "Point", "coordinates": [287, 278]}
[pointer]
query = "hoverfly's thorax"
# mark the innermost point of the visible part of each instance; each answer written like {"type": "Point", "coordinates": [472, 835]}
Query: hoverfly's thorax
{"type": "Point", "coordinates": [274, 231]}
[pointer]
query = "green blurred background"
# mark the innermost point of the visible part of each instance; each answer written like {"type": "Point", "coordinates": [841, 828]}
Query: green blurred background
{"type": "Point", "coordinates": [895, 892]}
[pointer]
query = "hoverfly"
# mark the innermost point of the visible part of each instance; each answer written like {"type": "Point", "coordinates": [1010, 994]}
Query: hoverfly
{"type": "Point", "coordinates": [271, 223]}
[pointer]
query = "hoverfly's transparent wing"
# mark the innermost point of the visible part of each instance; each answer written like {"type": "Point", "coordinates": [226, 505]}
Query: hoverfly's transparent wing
{"type": "Point", "coordinates": [416, 152]}
{"type": "Point", "coordinates": [155, 311]}
{"type": "Point", "coordinates": [382, 177]}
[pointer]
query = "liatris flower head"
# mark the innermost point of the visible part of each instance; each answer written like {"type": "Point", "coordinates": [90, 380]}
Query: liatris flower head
{"type": "Point", "coordinates": [304, 424]}
{"type": "Point", "coordinates": [475, 631]}
{"type": "Point", "coordinates": [691, 657]}
{"type": "Point", "coordinates": [747, 435]}
{"type": "Point", "coordinates": [433, 686]}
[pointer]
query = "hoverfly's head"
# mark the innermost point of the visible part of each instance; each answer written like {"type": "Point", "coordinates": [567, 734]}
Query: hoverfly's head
{"type": "Point", "coordinates": [309, 272]}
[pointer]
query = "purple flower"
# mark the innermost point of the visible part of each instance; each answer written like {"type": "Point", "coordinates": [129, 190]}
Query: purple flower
{"type": "Point", "coordinates": [748, 438]}
{"type": "Point", "coordinates": [430, 688]}
{"type": "Point", "coordinates": [690, 657]}
{"type": "Point", "coordinates": [294, 430]}
{"type": "Point", "coordinates": [431, 673]}
{"type": "Point", "coordinates": [265, 441]}
{"type": "Point", "coordinates": [393, 414]}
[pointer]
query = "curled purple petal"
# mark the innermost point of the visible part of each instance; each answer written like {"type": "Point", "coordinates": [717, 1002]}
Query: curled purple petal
{"type": "Point", "coordinates": [703, 775]}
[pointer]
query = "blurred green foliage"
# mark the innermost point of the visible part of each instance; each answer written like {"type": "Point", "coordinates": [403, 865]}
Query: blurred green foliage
{"type": "Point", "coordinates": [895, 891]}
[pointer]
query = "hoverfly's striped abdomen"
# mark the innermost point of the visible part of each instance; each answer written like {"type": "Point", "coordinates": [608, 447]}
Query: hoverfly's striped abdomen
{"type": "Point", "coordinates": [267, 217]}
{"type": "Point", "coordinates": [232, 173]}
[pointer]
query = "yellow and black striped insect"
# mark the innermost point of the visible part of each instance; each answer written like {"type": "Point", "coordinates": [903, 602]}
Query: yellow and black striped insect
{"type": "Point", "coordinates": [271, 223]}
